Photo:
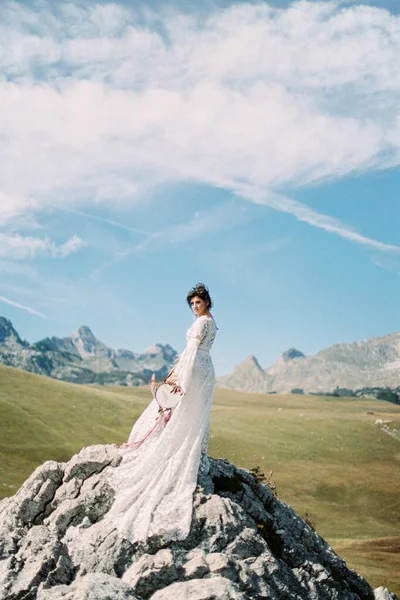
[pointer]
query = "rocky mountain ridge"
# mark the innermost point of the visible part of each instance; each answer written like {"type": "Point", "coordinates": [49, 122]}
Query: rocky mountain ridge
{"type": "Point", "coordinates": [374, 362]}
{"type": "Point", "coordinates": [82, 358]}
{"type": "Point", "coordinates": [244, 543]}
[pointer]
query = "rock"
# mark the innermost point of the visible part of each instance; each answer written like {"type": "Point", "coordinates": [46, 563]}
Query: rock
{"type": "Point", "coordinates": [244, 543]}
{"type": "Point", "coordinates": [217, 588]}
{"type": "Point", "coordinates": [40, 559]}
{"type": "Point", "coordinates": [382, 593]}
{"type": "Point", "coordinates": [29, 504]}
{"type": "Point", "coordinates": [92, 459]}
{"type": "Point", "coordinates": [220, 563]}
{"type": "Point", "coordinates": [93, 586]}
{"type": "Point", "coordinates": [217, 522]}
{"type": "Point", "coordinates": [151, 573]}
{"type": "Point", "coordinates": [98, 547]}
{"type": "Point", "coordinates": [196, 565]}
{"type": "Point", "coordinates": [94, 500]}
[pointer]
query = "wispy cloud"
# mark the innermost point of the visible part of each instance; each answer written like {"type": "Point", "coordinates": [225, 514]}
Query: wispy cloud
{"type": "Point", "coordinates": [28, 309]}
{"type": "Point", "coordinates": [111, 222]}
{"type": "Point", "coordinates": [307, 215]}
{"type": "Point", "coordinates": [16, 246]}
{"type": "Point", "coordinates": [389, 263]}
{"type": "Point", "coordinates": [71, 246]}
{"type": "Point", "coordinates": [222, 217]}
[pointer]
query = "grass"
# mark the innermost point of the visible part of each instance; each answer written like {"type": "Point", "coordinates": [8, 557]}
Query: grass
{"type": "Point", "coordinates": [328, 457]}
{"type": "Point", "coordinates": [377, 559]}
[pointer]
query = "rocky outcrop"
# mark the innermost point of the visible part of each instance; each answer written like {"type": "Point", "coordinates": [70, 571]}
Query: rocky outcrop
{"type": "Point", "coordinates": [244, 543]}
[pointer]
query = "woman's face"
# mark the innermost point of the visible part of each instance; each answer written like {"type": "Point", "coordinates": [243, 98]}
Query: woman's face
{"type": "Point", "coordinates": [199, 306]}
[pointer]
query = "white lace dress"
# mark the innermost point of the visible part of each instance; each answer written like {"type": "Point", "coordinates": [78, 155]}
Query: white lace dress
{"type": "Point", "coordinates": [158, 474]}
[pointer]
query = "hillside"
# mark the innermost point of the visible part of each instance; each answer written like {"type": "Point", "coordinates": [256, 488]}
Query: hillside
{"type": "Point", "coordinates": [374, 362]}
{"type": "Point", "coordinates": [329, 457]}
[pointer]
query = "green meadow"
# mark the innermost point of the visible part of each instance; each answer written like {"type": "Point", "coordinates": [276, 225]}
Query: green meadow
{"type": "Point", "coordinates": [328, 457]}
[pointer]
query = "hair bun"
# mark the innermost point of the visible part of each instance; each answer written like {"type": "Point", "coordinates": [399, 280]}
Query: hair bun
{"type": "Point", "coordinates": [200, 290]}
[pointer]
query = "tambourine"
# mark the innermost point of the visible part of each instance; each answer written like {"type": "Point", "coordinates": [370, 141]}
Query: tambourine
{"type": "Point", "coordinates": [165, 398]}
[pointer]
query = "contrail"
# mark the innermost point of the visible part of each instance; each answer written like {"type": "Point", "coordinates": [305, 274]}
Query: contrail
{"type": "Point", "coordinates": [103, 220]}
{"type": "Point", "coordinates": [22, 307]}
{"type": "Point", "coordinates": [307, 215]}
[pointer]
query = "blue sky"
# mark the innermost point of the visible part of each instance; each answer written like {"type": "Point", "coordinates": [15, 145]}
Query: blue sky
{"type": "Point", "coordinates": [251, 146]}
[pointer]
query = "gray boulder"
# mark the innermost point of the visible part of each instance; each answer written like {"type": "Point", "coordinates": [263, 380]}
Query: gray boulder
{"type": "Point", "coordinates": [382, 593]}
{"type": "Point", "coordinates": [217, 588]}
{"type": "Point", "coordinates": [93, 586]}
{"type": "Point", "coordinates": [243, 544]}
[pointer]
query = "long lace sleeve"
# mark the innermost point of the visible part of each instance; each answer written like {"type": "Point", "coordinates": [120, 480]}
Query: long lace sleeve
{"type": "Point", "coordinates": [184, 367]}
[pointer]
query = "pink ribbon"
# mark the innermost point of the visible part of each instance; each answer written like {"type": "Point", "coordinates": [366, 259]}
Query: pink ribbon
{"type": "Point", "coordinates": [163, 418]}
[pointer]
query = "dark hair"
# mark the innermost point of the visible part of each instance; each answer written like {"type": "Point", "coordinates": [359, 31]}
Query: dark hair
{"type": "Point", "coordinates": [202, 292]}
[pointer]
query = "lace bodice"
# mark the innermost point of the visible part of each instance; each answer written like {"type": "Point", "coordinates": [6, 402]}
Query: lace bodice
{"type": "Point", "coordinates": [205, 329]}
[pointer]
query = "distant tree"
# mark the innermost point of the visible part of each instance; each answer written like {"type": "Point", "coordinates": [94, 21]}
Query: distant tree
{"type": "Point", "coordinates": [389, 395]}
{"type": "Point", "coordinates": [297, 391]}
{"type": "Point", "coordinates": [340, 392]}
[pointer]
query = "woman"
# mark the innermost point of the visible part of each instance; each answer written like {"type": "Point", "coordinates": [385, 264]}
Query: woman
{"type": "Point", "coordinates": [158, 474]}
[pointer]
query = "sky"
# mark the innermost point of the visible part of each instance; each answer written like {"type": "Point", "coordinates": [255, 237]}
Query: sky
{"type": "Point", "coordinates": [252, 146]}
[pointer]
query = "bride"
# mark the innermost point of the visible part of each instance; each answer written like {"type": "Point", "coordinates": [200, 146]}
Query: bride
{"type": "Point", "coordinates": [157, 476]}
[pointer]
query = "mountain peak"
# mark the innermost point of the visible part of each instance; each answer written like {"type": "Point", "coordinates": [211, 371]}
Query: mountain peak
{"type": "Point", "coordinates": [84, 332]}
{"type": "Point", "coordinates": [7, 333]}
{"type": "Point", "coordinates": [160, 352]}
{"type": "Point", "coordinates": [86, 343]}
{"type": "Point", "coordinates": [291, 354]}
{"type": "Point", "coordinates": [154, 349]}
{"type": "Point", "coordinates": [251, 361]}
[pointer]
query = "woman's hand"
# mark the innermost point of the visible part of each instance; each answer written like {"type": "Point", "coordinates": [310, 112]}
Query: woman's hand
{"type": "Point", "coordinates": [170, 379]}
{"type": "Point", "coordinates": [176, 389]}
{"type": "Point", "coordinates": [153, 385]}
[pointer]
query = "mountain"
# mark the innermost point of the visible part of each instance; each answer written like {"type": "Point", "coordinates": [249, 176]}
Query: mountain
{"type": "Point", "coordinates": [244, 543]}
{"type": "Point", "coordinates": [8, 335]}
{"type": "Point", "coordinates": [374, 362]}
{"type": "Point", "coordinates": [82, 358]}
{"type": "Point", "coordinates": [248, 376]}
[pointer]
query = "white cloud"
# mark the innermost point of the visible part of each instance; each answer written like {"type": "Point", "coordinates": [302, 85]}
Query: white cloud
{"type": "Point", "coordinates": [103, 102]}
{"type": "Point", "coordinates": [72, 245]}
{"type": "Point", "coordinates": [14, 206]}
{"type": "Point", "coordinates": [15, 246]}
